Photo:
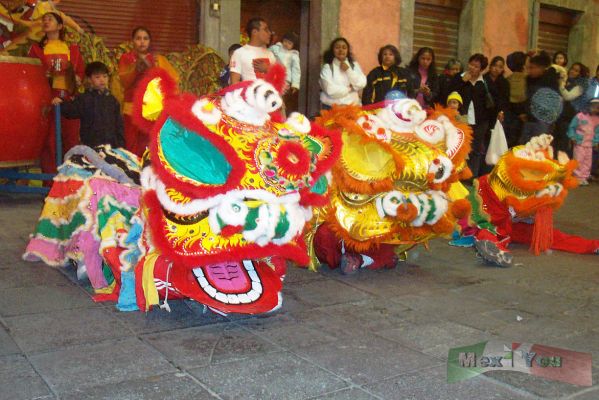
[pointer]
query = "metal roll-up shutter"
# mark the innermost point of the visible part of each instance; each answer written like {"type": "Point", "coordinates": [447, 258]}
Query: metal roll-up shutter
{"type": "Point", "coordinates": [173, 23]}
{"type": "Point", "coordinates": [436, 25]}
{"type": "Point", "coordinates": [554, 29]}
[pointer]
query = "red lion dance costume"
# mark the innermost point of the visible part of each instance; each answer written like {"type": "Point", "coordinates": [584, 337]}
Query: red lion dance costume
{"type": "Point", "coordinates": [390, 187]}
{"type": "Point", "coordinates": [226, 190]}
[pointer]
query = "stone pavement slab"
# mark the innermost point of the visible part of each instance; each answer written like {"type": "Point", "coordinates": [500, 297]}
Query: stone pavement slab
{"type": "Point", "coordinates": [589, 394]}
{"type": "Point", "coordinates": [7, 343]}
{"type": "Point", "coordinates": [268, 376]}
{"type": "Point", "coordinates": [158, 320]}
{"type": "Point", "coordinates": [172, 386]}
{"type": "Point", "coordinates": [436, 338]}
{"type": "Point", "coordinates": [364, 359]}
{"type": "Point", "coordinates": [369, 315]}
{"type": "Point", "coordinates": [103, 363]}
{"type": "Point", "coordinates": [431, 383]}
{"type": "Point", "coordinates": [286, 332]}
{"type": "Point", "coordinates": [543, 388]}
{"type": "Point", "coordinates": [212, 344]}
{"type": "Point", "coordinates": [56, 329]}
{"type": "Point", "coordinates": [324, 292]}
{"type": "Point", "coordinates": [41, 299]}
{"type": "Point", "coordinates": [347, 394]}
{"type": "Point", "coordinates": [24, 274]}
{"type": "Point", "coordinates": [18, 379]}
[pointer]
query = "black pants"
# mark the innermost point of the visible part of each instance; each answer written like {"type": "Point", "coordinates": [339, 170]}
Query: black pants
{"type": "Point", "coordinates": [480, 142]}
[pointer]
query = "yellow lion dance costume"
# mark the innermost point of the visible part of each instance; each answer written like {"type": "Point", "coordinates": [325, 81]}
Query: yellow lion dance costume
{"type": "Point", "coordinates": [391, 188]}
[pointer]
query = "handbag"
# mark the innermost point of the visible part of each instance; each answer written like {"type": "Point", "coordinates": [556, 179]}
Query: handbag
{"type": "Point", "coordinates": [497, 145]}
{"type": "Point", "coordinates": [489, 102]}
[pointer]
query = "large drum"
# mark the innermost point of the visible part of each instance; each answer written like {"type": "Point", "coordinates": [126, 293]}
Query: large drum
{"type": "Point", "coordinates": [24, 110]}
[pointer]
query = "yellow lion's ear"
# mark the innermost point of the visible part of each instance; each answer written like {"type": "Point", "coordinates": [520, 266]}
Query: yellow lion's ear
{"type": "Point", "coordinates": [153, 100]}
{"type": "Point", "coordinates": [150, 95]}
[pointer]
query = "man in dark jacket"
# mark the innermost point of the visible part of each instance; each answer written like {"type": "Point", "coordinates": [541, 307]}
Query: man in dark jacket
{"type": "Point", "coordinates": [98, 110]}
{"type": "Point", "coordinates": [471, 86]}
{"type": "Point", "coordinates": [541, 76]}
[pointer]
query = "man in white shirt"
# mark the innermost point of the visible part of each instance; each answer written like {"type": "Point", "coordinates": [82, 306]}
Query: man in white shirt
{"type": "Point", "coordinates": [253, 60]}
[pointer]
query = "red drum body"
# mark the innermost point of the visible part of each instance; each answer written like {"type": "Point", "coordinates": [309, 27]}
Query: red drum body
{"type": "Point", "coordinates": [24, 110]}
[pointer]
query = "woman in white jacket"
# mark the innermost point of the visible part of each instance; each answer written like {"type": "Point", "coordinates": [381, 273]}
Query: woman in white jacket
{"type": "Point", "coordinates": [341, 78]}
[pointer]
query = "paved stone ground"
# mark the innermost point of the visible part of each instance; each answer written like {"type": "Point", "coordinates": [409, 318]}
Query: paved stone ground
{"type": "Point", "coordinates": [375, 335]}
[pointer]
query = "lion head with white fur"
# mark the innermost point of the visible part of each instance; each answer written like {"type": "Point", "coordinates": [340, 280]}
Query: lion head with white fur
{"type": "Point", "coordinates": [397, 163]}
{"type": "Point", "coordinates": [228, 186]}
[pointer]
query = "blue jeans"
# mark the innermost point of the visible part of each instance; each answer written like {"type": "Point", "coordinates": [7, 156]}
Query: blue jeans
{"type": "Point", "coordinates": [480, 142]}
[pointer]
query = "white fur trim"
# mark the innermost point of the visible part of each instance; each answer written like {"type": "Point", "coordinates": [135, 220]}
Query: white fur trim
{"type": "Point", "coordinates": [441, 206]}
{"type": "Point", "coordinates": [235, 106]}
{"type": "Point", "coordinates": [389, 206]}
{"type": "Point", "coordinates": [213, 221]}
{"type": "Point", "coordinates": [200, 205]}
{"type": "Point", "coordinates": [299, 123]}
{"type": "Point", "coordinates": [259, 234]}
{"type": "Point", "coordinates": [373, 125]}
{"type": "Point", "coordinates": [263, 97]}
{"type": "Point", "coordinates": [232, 211]}
{"type": "Point", "coordinates": [409, 109]}
{"type": "Point", "coordinates": [420, 201]}
{"type": "Point", "coordinates": [379, 207]}
{"type": "Point", "coordinates": [209, 117]}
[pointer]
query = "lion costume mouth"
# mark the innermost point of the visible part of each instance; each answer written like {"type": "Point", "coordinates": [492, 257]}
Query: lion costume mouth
{"type": "Point", "coordinates": [230, 282]}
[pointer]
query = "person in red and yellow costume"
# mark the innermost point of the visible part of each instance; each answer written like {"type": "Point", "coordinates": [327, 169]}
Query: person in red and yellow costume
{"type": "Point", "coordinates": [132, 68]}
{"type": "Point", "coordinates": [65, 69]}
{"type": "Point", "coordinates": [515, 203]}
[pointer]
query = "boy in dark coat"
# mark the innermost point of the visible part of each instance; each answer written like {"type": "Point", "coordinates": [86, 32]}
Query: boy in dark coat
{"type": "Point", "coordinates": [98, 110]}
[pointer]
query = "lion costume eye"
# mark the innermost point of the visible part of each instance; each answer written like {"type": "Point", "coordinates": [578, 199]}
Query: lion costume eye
{"type": "Point", "coordinates": [441, 169]}
{"type": "Point", "coordinates": [264, 96]}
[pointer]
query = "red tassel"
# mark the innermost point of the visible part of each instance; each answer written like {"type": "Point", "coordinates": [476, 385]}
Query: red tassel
{"type": "Point", "coordinates": [542, 235]}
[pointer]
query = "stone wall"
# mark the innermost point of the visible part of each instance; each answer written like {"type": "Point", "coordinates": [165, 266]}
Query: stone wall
{"type": "Point", "coordinates": [368, 25]}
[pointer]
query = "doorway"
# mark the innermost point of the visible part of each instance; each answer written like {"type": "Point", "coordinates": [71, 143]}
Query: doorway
{"type": "Point", "coordinates": [298, 16]}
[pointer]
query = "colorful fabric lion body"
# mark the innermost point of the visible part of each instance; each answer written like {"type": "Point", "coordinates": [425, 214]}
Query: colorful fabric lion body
{"type": "Point", "coordinates": [390, 186]}
{"type": "Point", "coordinates": [516, 201]}
{"type": "Point", "coordinates": [227, 191]}
{"type": "Point", "coordinates": [92, 186]}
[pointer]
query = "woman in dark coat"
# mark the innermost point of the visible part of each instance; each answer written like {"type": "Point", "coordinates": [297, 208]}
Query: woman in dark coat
{"type": "Point", "coordinates": [386, 77]}
{"type": "Point", "coordinates": [471, 86]}
{"type": "Point", "coordinates": [425, 78]}
{"type": "Point", "coordinates": [452, 68]}
{"type": "Point", "coordinates": [499, 88]}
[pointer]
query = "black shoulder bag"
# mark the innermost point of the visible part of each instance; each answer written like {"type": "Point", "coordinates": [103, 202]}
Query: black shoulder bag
{"type": "Point", "coordinates": [489, 102]}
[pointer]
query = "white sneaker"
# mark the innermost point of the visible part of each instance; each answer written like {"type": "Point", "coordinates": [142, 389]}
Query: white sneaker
{"type": "Point", "coordinates": [583, 182]}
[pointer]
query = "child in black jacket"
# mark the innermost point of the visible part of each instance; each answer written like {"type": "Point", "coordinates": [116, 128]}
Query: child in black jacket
{"type": "Point", "coordinates": [98, 110]}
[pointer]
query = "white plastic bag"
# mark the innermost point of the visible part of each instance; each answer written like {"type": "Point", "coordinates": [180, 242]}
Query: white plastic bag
{"type": "Point", "coordinates": [497, 145]}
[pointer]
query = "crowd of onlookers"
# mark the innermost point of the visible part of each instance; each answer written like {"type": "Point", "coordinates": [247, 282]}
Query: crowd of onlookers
{"type": "Point", "coordinates": [539, 95]}
{"type": "Point", "coordinates": [528, 93]}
